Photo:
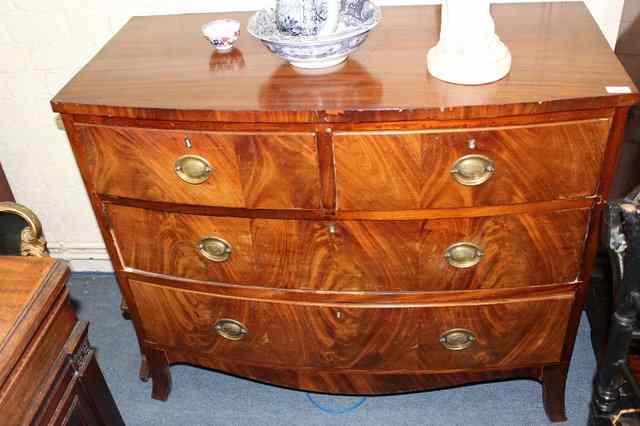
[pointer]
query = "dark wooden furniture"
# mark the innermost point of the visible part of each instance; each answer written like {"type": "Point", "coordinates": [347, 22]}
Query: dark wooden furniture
{"type": "Point", "coordinates": [48, 371]}
{"type": "Point", "coordinates": [365, 231]}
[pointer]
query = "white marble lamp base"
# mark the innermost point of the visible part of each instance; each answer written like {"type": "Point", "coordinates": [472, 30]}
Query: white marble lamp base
{"type": "Point", "coordinates": [460, 69]}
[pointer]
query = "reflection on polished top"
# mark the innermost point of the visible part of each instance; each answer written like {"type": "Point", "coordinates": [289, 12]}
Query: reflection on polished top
{"type": "Point", "coordinates": [161, 68]}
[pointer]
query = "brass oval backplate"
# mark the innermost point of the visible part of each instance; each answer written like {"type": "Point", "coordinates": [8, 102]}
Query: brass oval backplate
{"type": "Point", "coordinates": [457, 339]}
{"type": "Point", "coordinates": [473, 170]}
{"type": "Point", "coordinates": [214, 248]}
{"type": "Point", "coordinates": [193, 169]}
{"type": "Point", "coordinates": [230, 329]}
{"type": "Point", "coordinates": [463, 255]}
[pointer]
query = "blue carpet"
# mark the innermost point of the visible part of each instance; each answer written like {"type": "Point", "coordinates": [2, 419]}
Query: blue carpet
{"type": "Point", "coordinates": [203, 397]}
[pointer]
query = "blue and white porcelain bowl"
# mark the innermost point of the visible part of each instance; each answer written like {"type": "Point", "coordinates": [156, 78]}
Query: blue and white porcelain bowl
{"type": "Point", "coordinates": [319, 51]}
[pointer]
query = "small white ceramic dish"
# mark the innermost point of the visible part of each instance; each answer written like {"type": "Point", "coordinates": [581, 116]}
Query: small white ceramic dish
{"type": "Point", "coordinates": [222, 33]}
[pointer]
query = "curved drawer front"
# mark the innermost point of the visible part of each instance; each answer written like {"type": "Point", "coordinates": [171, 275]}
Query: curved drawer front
{"type": "Point", "coordinates": [513, 250]}
{"type": "Point", "coordinates": [449, 169]}
{"type": "Point", "coordinates": [258, 170]}
{"type": "Point", "coordinates": [492, 333]}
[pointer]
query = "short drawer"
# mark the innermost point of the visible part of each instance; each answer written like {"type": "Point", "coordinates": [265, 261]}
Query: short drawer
{"type": "Point", "coordinates": [242, 170]}
{"type": "Point", "coordinates": [484, 167]}
{"type": "Point", "coordinates": [446, 336]}
{"type": "Point", "coordinates": [418, 255]}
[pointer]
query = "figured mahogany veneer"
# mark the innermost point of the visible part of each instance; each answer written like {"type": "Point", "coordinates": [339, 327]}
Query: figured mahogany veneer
{"type": "Point", "coordinates": [336, 197]}
{"type": "Point", "coordinates": [508, 332]}
{"type": "Point", "coordinates": [520, 250]}
{"type": "Point", "coordinates": [411, 170]}
{"type": "Point", "coordinates": [253, 170]}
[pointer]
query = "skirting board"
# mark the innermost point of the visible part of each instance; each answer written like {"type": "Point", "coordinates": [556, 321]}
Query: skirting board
{"type": "Point", "coordinates": [83, 257]}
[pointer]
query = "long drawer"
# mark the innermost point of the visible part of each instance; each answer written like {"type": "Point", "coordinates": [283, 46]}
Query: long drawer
{"type": "Point", "coordinates": [438, 337]}
{"type": "Point", "coordinates": [482, 167]}
{"type": "Point", "coordinates": [430, 255]}
{"type": "Point", "coordinates": [243, 170]}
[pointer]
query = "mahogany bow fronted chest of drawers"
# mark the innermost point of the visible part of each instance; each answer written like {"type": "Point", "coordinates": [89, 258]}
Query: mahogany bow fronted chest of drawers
{"type": "Point", "coordinates": [365, 230]}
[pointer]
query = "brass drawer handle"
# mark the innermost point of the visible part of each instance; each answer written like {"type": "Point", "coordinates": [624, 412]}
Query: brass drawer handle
{"type": "Point", "coordinates": [214, 248]}
{"type": "Point", "coordinates": [473, 170]}
{"type": "Point", "coordinates": [457, 339]}
{"type": "Point", "coordinates": [463, 255]}
{"type": "Point", "coordinates": [230, 329]}
{"type": "Point", "coordinates": [193, 169]}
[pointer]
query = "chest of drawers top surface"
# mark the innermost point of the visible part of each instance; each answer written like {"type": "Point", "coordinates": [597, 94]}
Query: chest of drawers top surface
{"type": "Point", "coordinates": [160, 67]}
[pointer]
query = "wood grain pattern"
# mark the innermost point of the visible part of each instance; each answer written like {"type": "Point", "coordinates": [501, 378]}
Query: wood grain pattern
{"type": "Point", "coordinates": [25, 304]}
{"type": "Point", "coordinates": [521, 250]}
{"type": "Point", "coordinates": [98, 209]}
{"type": "Point", "coordinates": [327, 215]}
{"type": "Point", "coordinates": [559, 116]}
{"type": "Point", "coordinates": [346, 298]}
{"type": "Point", "coordinates": [22, 393]}
{"type": "Point", "coordinates": [258, 170]}
{"type": "Point", "coordinates": [159, 68]}
{"type": "Point", "coordinates": [327, 170]}
{"type": "Point", "coordinates": [376, 339]}
{"type": "Point", "coordinates": [406, 170]}
{"type": "Point", "coordinates": [337, 198]}
{"type": "Point", "coordinates": [36, 353]}
{"type": "Point", "coordinates": [18, 288]}
{"type": "Point", "coordinates": [616, 139]}
{"type": "Point", "coordinates": [355, 382]}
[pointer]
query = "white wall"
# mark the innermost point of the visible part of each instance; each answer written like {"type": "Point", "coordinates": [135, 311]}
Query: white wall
{"type": "Point", "coordinates": [42, 44]}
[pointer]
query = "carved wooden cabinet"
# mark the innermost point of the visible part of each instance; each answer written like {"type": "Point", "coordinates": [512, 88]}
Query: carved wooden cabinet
{"type": "Point", "coordinates": [48, 370]}
{"type": "Point", "coordinates": [367, 229]}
